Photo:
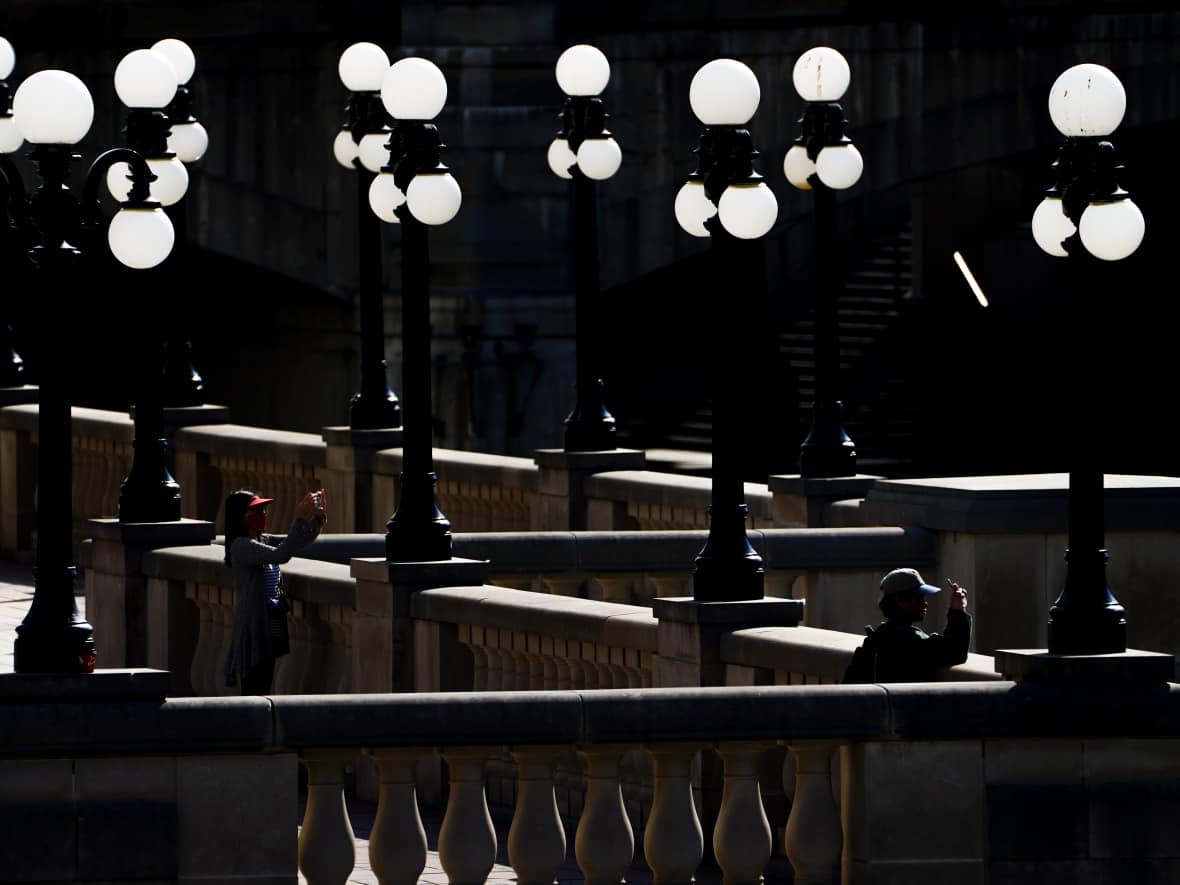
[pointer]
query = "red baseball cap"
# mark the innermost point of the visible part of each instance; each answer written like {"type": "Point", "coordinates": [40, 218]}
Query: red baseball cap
{"type": "Point", "coordinates": [256, 501]}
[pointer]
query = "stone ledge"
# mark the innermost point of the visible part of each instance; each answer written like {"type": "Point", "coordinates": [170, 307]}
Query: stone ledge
{"type": "Point", "coordinates": [13, 396]}
{"type": "Point", "coordinates": [593, 462]}
{"type": "Point", "coordinates": [139, 684]}
{"type": "Point", "coordinates": [1038, 665]}
{"type": "Point", "coordinates": [178, 533]}
{"type": "Point", "coordinates": [765, 612]}
{"type": "Point", "coordinates": [452, 572]}
{"type": "Point", "coordinates": [832, 488]}
{"type": "Point", "coordinates": [375, 438]}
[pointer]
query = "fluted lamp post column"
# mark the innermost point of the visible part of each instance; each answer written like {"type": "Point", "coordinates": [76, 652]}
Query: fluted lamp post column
{"type": "Point", "coordinates": [146, 82]}
{"type": "Point", "coordinates": [187, 140]}
{"type": "Point", "coordinates": [415, 189]}
{"type": "Point", "coordinates": [585, 153]}
{"type": "Point", "coordinates": [726, 200]}
{"type": "Point", "coordinates": [824, 160]}
{"type": "Point", "coordinates": [361, 147]}
{"type": "Point", "coordinates": [53, 111]}
{"type": "Point", "coordinates": [1087, 218]}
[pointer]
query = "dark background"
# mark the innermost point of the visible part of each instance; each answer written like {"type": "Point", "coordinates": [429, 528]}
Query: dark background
{"type": "Point", "coordinates": [948, 108]}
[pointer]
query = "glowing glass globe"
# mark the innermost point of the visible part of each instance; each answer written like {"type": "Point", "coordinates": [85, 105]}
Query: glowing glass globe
{"type": "Point", "coordinates": [582, 70]}
{"type": "Point", "coordinates": [169, 187]}
{"type": "Point", "coordinates": [839, 166]}
{"type": "Point", "coordinates": [748, 211]}
{"type": "Point", "coordinates": [141, 238]}
{"type": "Point", "coordinates": [53, 107]}
{"type": "Point", "coordinates": [1087, 100]}
{"type": "Point", "coordinates": [384, 197]}
{"type": "Point", "coordinates": [693, 208]}
{"type": "Point", "coordinates": [1111, 231]}
{"type": "Point", "coordinates": [724, 92]}
{"type": "Point", "coordinates": [434, 199]}
{"type": "Point", "coordinates": [184, 62]}
{"type": "Point", "coordinates": [798, 167]}
{"type": "Point", "coordinates": [363, 66]}
{"type": "Point", "coordinates": [599, 158]}
{"type": "Point", "coordinates": [145, 79]}
{"type": "Point", "coordinates": [821, 74]}
{"type": "Point", "coordinates": [561, 158]}
{"type": "Point", "coordinates": [414, 89]}
{"type": "Point", "coordinates": [1050, 226]}
{"type": "Point", "coordinates": [188, 141]}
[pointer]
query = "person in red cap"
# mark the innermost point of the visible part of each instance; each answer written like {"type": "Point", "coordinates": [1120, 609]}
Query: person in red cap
{"type": "Point", "coordinates": [259, 634]}
{"type": "Point", "coordinates": [897, 650]}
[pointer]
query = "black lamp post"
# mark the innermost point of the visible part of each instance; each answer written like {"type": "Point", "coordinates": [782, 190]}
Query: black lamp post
{"type": "Point", "coordinates": [360, 146]}
{"type": "Point", "coordinates": [1089, 219]}
{"type": "Point", "coordinates": [416, 190]}
{"type": "Point", "coordinates": [188, 140]}
{"type": "Point", "coordinates": [146, 82]}
{"type": "Point", "coordinates": [584, 152]}
{"type": "Point", "coordinates": [725, 199]}
{"type": "Point", "coordinates": [824, 160]}
{"type": "Point", "coordinates": [54, 110]}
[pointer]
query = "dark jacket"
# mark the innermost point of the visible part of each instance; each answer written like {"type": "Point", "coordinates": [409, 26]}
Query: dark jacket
{"type": "Point", "coordinates": [897, 651]}
{"type": "Point", "coordinates": [250, 639]}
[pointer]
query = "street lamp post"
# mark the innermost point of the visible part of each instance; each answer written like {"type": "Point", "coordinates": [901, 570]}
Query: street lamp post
{"type": "Point", "coordinates": [824, 160]}
{"type": "Point", "coordinates": [360, 146]}
{"type": "Point", "coordinates": [585, 153]}
{"type": "Point", "coordinates": [53, 111]}
{"type": "Point", "coordinates": [415, 189]}
{"type": "Point", "coordinates": [188, 141]}
{"type": "Point", "coordinates": [1088, 218]}
{"type": "Point", "coordinates": [726, 200]}
{"type": "Point", "coordinates": [146, 82]}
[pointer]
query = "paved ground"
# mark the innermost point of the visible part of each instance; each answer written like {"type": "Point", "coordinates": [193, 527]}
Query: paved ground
{"type": "Point", "coordinates": [16, 595]}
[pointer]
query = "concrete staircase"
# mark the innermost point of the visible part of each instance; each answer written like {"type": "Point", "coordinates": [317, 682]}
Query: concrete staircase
{"type": "Point", "coordinates": [882, 415]}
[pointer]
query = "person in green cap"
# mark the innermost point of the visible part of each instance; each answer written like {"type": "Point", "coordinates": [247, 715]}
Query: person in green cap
{"type": "Point", "coordinates": [897, 650]}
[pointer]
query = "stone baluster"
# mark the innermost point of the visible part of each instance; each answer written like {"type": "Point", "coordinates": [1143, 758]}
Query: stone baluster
{"type": "Point", "coordinates": [397, 842]}
{"type": "Point", "coordinates": [467, 840]}
{"type": "Point", "coordinates": [327, 852]}
{"type": "Point", "coordinates": [199, 671]}
{"type": "Point", "coordinates": [604, 844]}
{"type": "Point", "coordinates": [223, 627]}
{"type": "Point", "coordinates": [673, 842]}
{"type": "Point", "coordinates": [536, 839]}
{"type": "Point", "coordinates": [741, 839]}
{"type": "Point", "coordinates": [479, 658]}
{"type": "Point", "coordinates": [813, 839]}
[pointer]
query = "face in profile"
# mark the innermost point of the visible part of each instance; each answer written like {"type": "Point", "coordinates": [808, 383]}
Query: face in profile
{"type": "Point", "coordinates": [256, 521]}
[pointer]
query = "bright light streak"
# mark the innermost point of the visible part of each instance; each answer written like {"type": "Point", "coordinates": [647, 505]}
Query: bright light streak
{"type": "Point", "coordinates": [970, 278]}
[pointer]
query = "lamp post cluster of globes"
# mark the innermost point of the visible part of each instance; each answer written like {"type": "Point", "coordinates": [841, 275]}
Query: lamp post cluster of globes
{"type": "Point", "coordinates": [51, 111]}
{"type": "Point", "coordinates": [390, 136]}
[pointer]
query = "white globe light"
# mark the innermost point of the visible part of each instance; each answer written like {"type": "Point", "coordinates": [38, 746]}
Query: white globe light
{"type": "Point", "coordinates": [372, 150]}
{"type": "Point", "coordinates": [384, 197]}
{"type": "Point", "coordinates": [582, 70]}
{"type": "Point", "coordinates": [141, 238]}
{"type": "Point", "coordinates": [180, 55]}
{"type": "Point", "coordinates": [170, 185]}
{"type": "Point", "coordinates": [10, 137]}
{"type": "Point", "coordinates": [561, 158]}
{"type": "Point", "coordinates": [363, 66]}
{"type": "Point", "coordinates": [53, 107]}
{"type": "Point", "coordinates": [414, 89]}
{"type": "Point", "coordinates": [798, 167]}
{"type": "Point", "coordinates": [821, 74]}
{"type": "Point", "coordinates": [839, 166]}
{"type": "Point", "coordinates": [1111, 231]}
{"type": "Point", "coordinates": [145, 79]}
{"type": "Point", "coordinates": [724, 92]}
{"type": "Point", "coordinates": [344, 149]}
{"type": "Point", "coordinates": [7, 59]}
{"type": "Point", "coordinates": [1050, 225]}
{"type": "Point", "coordinates": [693, 208]}
{"type": "Point", "coordinates": [1087, 100]}
{"type": "Point", "coordinates": [434, 199]}
{"type": "Point", "coordinates": [748, 211]}
{"type": "Point", "coordinates": [599, 158]}
{"type": "Point", "coordinates": [188, 141]}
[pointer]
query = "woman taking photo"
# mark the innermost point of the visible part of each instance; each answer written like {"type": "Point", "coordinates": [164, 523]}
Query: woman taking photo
{"type": "Point", "coordinates": [259, 636]}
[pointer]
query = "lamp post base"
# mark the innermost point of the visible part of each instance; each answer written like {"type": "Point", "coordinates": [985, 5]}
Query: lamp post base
{"type": "Point", "coordinates": [1099, 632]}
{"type": "Point", "coordinates": [828, 450]}
{"type": "Point", "coordinates": [728, 569]}
{"type": "Point", "coordinates": [374, 412]}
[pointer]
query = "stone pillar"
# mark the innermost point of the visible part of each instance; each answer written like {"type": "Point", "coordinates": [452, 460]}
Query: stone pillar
{"type": "Point", "coordinates": [127, 621]}
{"type": "Point", "coordinates": [802, 501]}
{"type": "Point", "coordinates": [18, 483]}
{"type": "Point", "coordinates": [348, 475]}
{"type": "Point", "coordinates": [561, 497]}
{"type": "Point", "coordinates": [690, 633]}
{"type": "Point", "coordinates": [383, 635]}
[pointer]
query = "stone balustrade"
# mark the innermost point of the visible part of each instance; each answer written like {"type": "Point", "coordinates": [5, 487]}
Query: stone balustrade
{"type": "Point", "coordinates": [645, 499]}
{"type": "Point", "coordinates": [999, 775]}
